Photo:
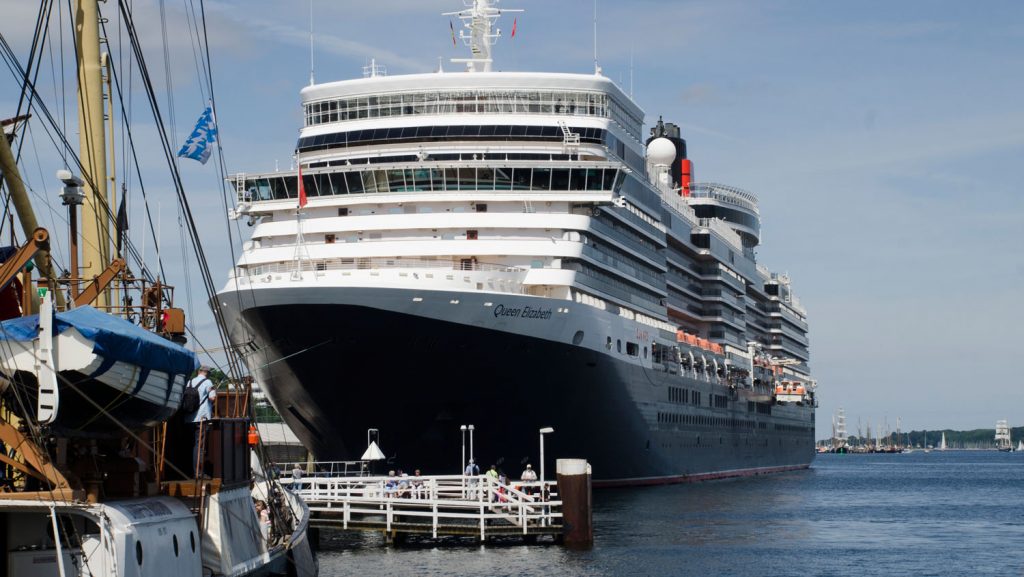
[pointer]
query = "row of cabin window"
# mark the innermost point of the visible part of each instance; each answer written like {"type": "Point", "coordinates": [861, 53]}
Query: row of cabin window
{"type": "Point", "coordinates": [372, 136]}
{"type": "Point", "coordinates": [433, 180]}
{"type": "Point", "coordinates": [722, 422]}
{"type": "Point", "coordinates": [473, 102]}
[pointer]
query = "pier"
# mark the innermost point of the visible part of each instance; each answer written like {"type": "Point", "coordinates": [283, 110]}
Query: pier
{"type": "Point", "coordinates": [432, 506]}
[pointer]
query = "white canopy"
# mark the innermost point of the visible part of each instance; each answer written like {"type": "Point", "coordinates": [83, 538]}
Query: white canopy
{"type": "Point", "coordinates": [373, 453]}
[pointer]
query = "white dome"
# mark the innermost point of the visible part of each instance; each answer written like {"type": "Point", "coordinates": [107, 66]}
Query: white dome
{"type": "Point", "coordinates": [661, 151]}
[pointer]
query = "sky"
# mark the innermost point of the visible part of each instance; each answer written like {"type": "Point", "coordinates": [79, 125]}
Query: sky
{"type": "Point", "coordinates": [885, 142]}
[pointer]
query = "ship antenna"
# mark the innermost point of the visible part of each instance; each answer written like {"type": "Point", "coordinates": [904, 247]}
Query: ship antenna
{"type": "Point", "coordinates": [479, 18]}
{"type": "Point", "coordinates": [631, 71]}
{"type": "Point", "coordinates": [311, 81]}
{"type": "Point", "coordinates": [597, 69]}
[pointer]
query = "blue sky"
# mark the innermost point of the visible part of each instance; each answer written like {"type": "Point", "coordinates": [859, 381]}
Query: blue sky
{"type": "Point", "coordinates": [884, 139]}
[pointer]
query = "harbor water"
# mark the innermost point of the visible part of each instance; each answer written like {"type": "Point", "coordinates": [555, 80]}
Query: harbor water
{"type": "Point", "coordinates": [938, 513]}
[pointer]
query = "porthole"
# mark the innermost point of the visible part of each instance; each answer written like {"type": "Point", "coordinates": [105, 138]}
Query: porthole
{"type": "Point", "coordinates": [608, 345]}
{"type": "Point", "coordinates": [192, 539]}
{"type": "Point", "coordinates": [618, 345]}
{"type": "Point", "coordinates": [577, 338]}
{"type": "Point", "coordinates": [174, 541]}
{"type": "Point", "coordinates": [138, 552]}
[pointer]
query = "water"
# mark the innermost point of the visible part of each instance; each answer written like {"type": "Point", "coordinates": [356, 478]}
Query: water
{"type": "Point", "coordinates": [948, 513]}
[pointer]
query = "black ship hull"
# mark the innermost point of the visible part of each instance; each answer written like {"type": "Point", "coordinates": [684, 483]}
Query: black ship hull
{"type": "Point", "coordinates": [334, 371]}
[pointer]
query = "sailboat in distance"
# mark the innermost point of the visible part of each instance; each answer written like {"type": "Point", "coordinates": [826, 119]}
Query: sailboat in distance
{"type": "Point", "coordinates": [1003, 442]}
{"type": "Point", "coordinates": [942, 443]}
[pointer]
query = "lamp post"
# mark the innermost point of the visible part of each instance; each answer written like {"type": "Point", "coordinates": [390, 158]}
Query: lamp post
{"type": "Point", "coordinates": [544, 431]}
{"type": "Point", "coordinates": [471, 455]}
{"type": "Point", "coordinates": [462, 466]}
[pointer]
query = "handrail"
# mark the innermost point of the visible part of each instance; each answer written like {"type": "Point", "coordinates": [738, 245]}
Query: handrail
{"type": "Point", "coordinates": [436, 499]}
{"type": "Point", "coordinates": [356, 263]}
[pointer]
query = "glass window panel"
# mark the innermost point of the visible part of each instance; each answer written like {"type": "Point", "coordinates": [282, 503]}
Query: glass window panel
{"type": "Point", "coordinates": [485, 179]}
{"type": "Point", "coordinates": [263, 190]}
{"type": "Point", "coordinates": [503, 179]}
{"type": "Point", "coordinates": [291, 186]}
{"type": "Point", "coordinates": [451, 179]}
{"type": "Point", "coordinates": [541, 179]}
{"type": "Point", "coordinates": [560, 179]}
{"type": "Point", "coordinates": [594, 179]}
{"type": "Point", "coordinates": [354, 182]}
{"type": "Point", "coordinates": [521, 178]}
{"type": "Point", "coordinates": [578, 179]}
{"type": "Point", "coordinates": [369, 181]}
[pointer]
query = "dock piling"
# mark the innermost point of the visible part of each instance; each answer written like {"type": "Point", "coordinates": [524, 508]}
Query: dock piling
{"type": "Point", "coordinates": [575, 494]}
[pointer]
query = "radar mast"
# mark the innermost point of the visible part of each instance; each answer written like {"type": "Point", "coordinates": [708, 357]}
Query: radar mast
{"type": "Point", "coordinates": [479, 17]}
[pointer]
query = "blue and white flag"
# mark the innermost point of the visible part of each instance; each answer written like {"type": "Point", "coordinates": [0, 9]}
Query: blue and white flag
{"type": "Point", "coordinates": [197, 147]}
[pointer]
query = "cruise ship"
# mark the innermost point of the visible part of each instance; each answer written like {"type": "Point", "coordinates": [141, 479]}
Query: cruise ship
{"type": "Point", "coordinates": [513, 251]}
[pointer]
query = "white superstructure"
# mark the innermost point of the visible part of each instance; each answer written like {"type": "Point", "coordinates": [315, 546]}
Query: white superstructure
{"type": "Point", "coordinates": [484, 200]}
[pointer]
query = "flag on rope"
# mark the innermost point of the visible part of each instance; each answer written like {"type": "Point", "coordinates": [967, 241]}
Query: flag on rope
{"type": "Point", "coordinates": [197, 146]}
{"type": "Point", "coordinates": [515, 21]}
{"type": "Point", "coordinates": [302, 190]}
{"type": "Point", "coordinates": [452, 27]}
{"type": "Point", "coordinates": [122, 221]}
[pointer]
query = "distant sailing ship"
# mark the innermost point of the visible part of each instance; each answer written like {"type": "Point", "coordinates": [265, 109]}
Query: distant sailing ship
{"type": "Point", "coordinates": [942, 443]}
{"type": "Point", "coordinates": [1003, 442]}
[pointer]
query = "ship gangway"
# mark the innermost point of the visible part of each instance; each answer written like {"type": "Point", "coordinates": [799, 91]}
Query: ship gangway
{"type": "Point", "coordinates": [431, 506]}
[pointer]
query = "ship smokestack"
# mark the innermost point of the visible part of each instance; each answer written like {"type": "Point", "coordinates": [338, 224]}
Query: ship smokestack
{"type": "Point", "coordinates": [681, 169]}
{"type": "Point", "coordinates": [685, 176]}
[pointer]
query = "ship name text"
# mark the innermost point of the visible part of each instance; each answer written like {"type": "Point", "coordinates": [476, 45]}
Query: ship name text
{"type": "Point", "coordinates": [521, 312]}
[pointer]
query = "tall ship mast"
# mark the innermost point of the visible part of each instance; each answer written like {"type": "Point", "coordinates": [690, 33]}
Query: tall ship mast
{"type": "Point", "coordinates": [1003, 441]}
{"type": "Point", "coordinates": [514, 250]}
{"type": "Point", "coordinates": [107, 470]}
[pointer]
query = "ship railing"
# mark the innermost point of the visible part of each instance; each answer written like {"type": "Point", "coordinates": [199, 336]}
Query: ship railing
{"type": "Point", "coordinates": [436, 501]}
{"type": "Point", "coordinates": [321, 264]}
{"type": "Point", "coordinates": [326, 468]}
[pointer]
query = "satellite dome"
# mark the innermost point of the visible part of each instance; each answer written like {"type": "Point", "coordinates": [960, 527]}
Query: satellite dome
{"type": "Point", "coordinates": [661, 151]}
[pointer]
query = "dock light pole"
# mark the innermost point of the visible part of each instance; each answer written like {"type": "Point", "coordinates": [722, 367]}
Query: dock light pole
{"type": "Point", "coordinates": [470, 428]}
{"type": "Point", "coordinates": [463, 465]}
{"type": "Point", "coordinates": [544, 431]}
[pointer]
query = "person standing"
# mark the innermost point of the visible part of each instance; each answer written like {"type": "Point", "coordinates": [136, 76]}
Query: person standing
{"type": "Point", "coordinates": [492, 480]}
{"type": "Point", "coordinates": [202, 394]}
{"type": "Point", "coordinates": [472, 471]}
{"type": "Point", "coordinates": [528, 476]}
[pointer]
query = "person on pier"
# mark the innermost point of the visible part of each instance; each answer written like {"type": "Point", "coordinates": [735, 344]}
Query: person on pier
{"type": "Point", "coordinates": [528, 476]}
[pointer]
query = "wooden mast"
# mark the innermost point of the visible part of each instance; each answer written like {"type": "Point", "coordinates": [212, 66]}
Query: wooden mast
{"type": "Point", "coordinates": [95, 220]}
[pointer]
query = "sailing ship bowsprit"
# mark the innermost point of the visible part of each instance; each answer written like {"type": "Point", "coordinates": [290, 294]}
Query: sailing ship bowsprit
{"type": "Point", "coordinates": [96, 469]}
{"type": "Point", "coordinates": [510, 249]}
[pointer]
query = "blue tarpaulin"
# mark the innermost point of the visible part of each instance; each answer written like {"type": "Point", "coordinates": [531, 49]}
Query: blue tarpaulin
{"type": "Point", "coordinates": [114, 338]}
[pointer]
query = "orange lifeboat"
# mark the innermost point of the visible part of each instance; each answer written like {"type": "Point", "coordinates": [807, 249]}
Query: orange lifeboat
{"type": "Point", "coordinates": [254, 435]}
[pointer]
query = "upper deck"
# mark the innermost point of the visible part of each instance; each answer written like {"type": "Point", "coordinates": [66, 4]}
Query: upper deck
{"type": "Point", "coordinates": [556, 95]}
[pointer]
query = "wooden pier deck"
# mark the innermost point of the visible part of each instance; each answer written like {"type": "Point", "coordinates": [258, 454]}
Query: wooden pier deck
{"type": "Point", "coordinates": [433, 507]}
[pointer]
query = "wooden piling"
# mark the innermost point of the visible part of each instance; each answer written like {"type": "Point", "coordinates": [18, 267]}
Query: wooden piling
{"type": "Point", "coordinates": [574, 491]}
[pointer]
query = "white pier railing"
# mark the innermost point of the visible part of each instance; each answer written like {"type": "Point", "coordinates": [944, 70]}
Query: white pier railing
{"type": "Point", "coordinates": [436, 505]}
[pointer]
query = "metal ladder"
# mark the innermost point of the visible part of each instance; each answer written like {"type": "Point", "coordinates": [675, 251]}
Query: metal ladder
{"type": "Point", "coordinates": [240, 187]}
{"type": "Point", "coordinates": [570, 140]}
